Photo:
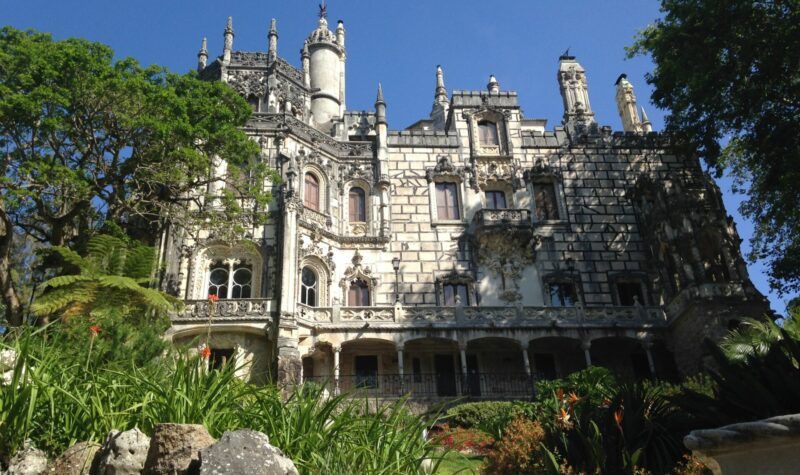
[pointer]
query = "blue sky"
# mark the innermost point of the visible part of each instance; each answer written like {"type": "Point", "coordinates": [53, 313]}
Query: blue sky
{"type": "Point", "coordinates": [397, 43]}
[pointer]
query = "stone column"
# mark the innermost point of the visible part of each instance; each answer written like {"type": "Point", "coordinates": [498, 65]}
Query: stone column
{"type": "Point", "coordinates": [464, 383]}
{"type": "Point", "coordinates": [288, 355]}
{"type": "Point", "coordinates": [336, 351]}
{"type": "Point", "coordinates": [587, 354]}
{"type": "Point", "coordinates": [400, 369]}
{"type": "Point", "coordinates": [526, 359]}
{"type": "Point", "coordinates": [648, 345]}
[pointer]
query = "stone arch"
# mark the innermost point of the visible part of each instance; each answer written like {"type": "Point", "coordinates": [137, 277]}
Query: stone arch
{"type": "Point", "coordinates": [323, 187]}
{"type": "Point", "coordinates": [323, 275]}
{"type": "Point", "coordinates": [246, 252]}
{"type": "Point", "coordinates": [360, 228]}
{"type": "Point", "coordinates": [555, 355]}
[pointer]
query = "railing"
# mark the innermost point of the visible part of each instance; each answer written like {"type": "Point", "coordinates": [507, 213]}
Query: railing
{"type": "Point", "coordinates": [504, 216]}
{"type": "Point", "coordinates": [455, 316]}
{"type": "Point", "coordinates": [225, 309]}
{"type": "Point", "coordinates": [431, 386]}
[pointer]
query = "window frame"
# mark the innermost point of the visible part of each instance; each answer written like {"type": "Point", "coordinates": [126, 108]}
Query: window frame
{"type": "Point", "coordinates": [449, 207]}
{"type": "Point", "coordinates": [561, 281]}
{"type": "Point", "coordinates": [317, 184]}
{"type": "Point", "coordinates": [494, 193]}
{"type": "Point", "coordinates": [484, 125]}
{"type": "Point", "coordinates": [556, 201]}
{"type": "Point", "coordinates": [305, 289]}
{"type": "Point", "coordinates": [364, 292]}
{"type": "Point", "coordinates": [362, 213]}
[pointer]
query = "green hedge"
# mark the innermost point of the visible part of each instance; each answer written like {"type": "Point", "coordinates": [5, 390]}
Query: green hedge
{"type": "Point", "coordinates": [489, 416]}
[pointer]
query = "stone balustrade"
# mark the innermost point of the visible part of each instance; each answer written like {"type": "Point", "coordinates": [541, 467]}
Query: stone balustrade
{"type": "Point", "coordinates": [505, 216]}
{"type": "Point", "coordinates": [197, 311]}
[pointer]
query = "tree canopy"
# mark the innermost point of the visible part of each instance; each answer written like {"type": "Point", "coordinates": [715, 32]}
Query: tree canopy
{"type": "Point", "coordinates": [728, 73]}
{"type": "Point", "coordinates": [88, 141]}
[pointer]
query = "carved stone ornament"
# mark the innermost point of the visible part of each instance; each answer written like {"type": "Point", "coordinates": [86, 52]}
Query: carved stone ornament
{"type": "Point", "coordinates": [542, 171]}
{"type": "Point", "coordinates": [358, 272]}
{"type": "Point", "coordinates": [315, 247]}
{"type": "Point", "coordinates": [444, 168]}
{"type": "Point", "coordinates": [506, 253]}
{"type": "Point", "coordinates": [248, 83]}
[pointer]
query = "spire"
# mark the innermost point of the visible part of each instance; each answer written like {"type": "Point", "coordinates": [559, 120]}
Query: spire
{"type": "Point", "coordinates": [340, 33]}
{"type": "Point", "coordinates": [578, 115]}
{"type": "Point", "coordinates": [272, 53]}
{"type": "Point", "coordinates": [228, 41]}
{"type": "Point", "coordinates": [493, 86]}
{"type": "Point", "coordinates": [626, 105]}
{"type": "Point", "coordinates": [202, 55]}
{"type": "Point", "coordinates": [646, 125]}
{"type": "Point", "coordinates": [379, 99]}
{"type": "Point", "coordinates": [380, 106]}
{"type": "Point", "coordinates": [441, 93]}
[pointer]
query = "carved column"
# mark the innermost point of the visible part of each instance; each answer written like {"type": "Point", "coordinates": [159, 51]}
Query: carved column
{"type": "Point", "coordinates": [400, 368]}
{"type": "Point", "coordinates": [526, 359]}
{"type": "Point", "coordinates": [648, 345]}
{"type": "Point", "coordinates": [288, 355]}
{"type": "Point", "coordinates": [336, 351]}
{"type": "Point", "coordinates": [587, 354]}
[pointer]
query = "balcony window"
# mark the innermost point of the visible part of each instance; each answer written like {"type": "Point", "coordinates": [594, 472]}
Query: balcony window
{"type": "Point", "coordinates": [630, 293]}
{"type": "Point", "coordinates": [562, 294]}
{"type": "Point", "coordinates": [242, 279]}
{"type": "Point", "coordinates": [311, 199]}
{"type": "Point", "coordinates": [447, 206]}
{"type": "Point", "coordinates": [455, 294]}
{"type": "Point", "coordinates": [358, 294]}
{"type": "Point", "coordinates": [487, 132]}
{"type": "Point", "coordinates": [358, 205]}
{"type": "Point", "coordinates": [308, 287]}
{"type": "Point", "coordinates": [545, 201]}
{"type": "Point", "coordinates": [233, 281]}
{"type": "Point", "coordinates": [495, 200]}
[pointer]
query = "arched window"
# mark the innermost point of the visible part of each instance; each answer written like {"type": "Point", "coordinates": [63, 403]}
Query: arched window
{"type": "Point", "coordinates": [358, 205]}
{"type": "Point", "coordinates": [487, 132]}
{"type": "Point", "coordinates": [311, 192]}
{"type": "Point", "coordinates": [242, 283]}
{"type": "Point", "coordinates": [308, 287]}
{"type": "Point", "coordinates": [218, 280]}
{"type": "Point", "coordinates": [358, 294]}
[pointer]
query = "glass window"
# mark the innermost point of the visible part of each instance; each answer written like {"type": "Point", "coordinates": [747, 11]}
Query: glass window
{"type": "Point", "coordinates": [242, 280]}
{"type": "Point", "coordinates": [358, 205]}
{"type": "Point", "coordinates": [562, 294]}
{"type": "Point", "coordinates": [447, 201]}
{"type": "Point", "coordinates": [311, 192]}
{"type": "Point", "coordinates": [495, 199]}
{"type": "Point", "coordinates": [630, 293]}
{"type": "Point", "coordinates": [358, 294]}
{"type": "Point", "coordinates": [455, 294]}
{"type": "Point", "coordinates": [545, 201]}
{"type": "Point", "coordinates": [218, 281]}
{"type": "Point", "coordinates": [488, 133]}
{"type": "Point", "coordinates": [308, 287]}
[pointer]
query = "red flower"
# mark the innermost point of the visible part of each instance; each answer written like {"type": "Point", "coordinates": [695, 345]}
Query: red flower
{"type": "Point", "coordinates": [205, 353]}
{"type": "Point", "coordinates": [94, 329]}
{"type": "Point", "coordinates": [618, 414]}
{"type": "Point", "coordinates": [213, 298]}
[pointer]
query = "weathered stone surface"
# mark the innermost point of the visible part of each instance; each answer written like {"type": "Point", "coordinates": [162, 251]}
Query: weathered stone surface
{"type": "Point", "coordinates": [28, 461]}
{"type": "Point", "coordinates": [76, 460]}
{"type": "Point", "coordinates": [175, 449]}
{"type": "Point", "coordinates": [245, 451]}
{"type": "Point", "coordinates": [123, 453]}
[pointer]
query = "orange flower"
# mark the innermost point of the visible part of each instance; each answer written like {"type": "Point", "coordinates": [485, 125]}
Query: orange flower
{"type": "Point", "coordinates": [205, 353]}
{"type": "Point", "coordinates": [560, 394]}
{"type": "Point", "coordinates": [618, 414]}
{"type": "Point", "coordinates": [94, 329]}
{"type": "Point", "coordinates": [573, 398]}
{"type": "Point", "coordinates": [213, 298]}
{"type": "Point", "coordinates": [564, 415]}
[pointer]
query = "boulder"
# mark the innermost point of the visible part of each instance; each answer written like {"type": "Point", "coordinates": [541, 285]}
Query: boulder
{"type": "Point", "coordinates": [76, 460]}
{"type": "Point", "coordinates": [245, 451]}
{"type": "Point", "coordinates": [175, 449]}
{"type": "Point", "coordinates": [123, 453]}
{"type": "Point", "coordinates": [28, 461]}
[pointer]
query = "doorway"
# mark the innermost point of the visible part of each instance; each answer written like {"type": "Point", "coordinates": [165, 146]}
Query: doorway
{"type": "Point", "coordinates": [445, 375]}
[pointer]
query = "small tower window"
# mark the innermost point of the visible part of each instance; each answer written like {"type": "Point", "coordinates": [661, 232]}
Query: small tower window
{"type": "Point", "coordinates": [447, 201]}
{"type": "Point", "coordinates": [455, 294]}
{"type": "Point", "coordinates": [358, 294]}
{"type": "Point", "coordinates": [487, 132]}
{"type": "Point", "coordinates": [358, 205]}
{"type": "Point", "coordinates": [562, 294]}
{"type": "Point", "coordinates": [308, 287]}
{"type": "Point", "coordinates": [311, 192]}
{"type": "Point", "coordinates": [495, 199]}
{"type": "Point", "coordinates": [253, 101]}
{"type": "Point", "coordinates": [630, 293]}
{"type": "Point", "coordinates": [545, 202]}
{"type": "Point", "coordinates": [218, 281]}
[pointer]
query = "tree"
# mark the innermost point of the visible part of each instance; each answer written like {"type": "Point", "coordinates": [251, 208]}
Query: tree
{"type": "Point", "coordinates": [728, 72]}
{"type": "Point", "coordinates": [90, 142]}
{"type": "Point", "coordinates": [756, 337]}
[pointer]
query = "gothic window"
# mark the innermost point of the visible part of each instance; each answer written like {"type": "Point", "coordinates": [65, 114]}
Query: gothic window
{"type": "Point", "coordinates": [629, 293]}
{"type": "Point", "coordinates": [495, 199]}
{"type": "Point", "coordinates": [447, 207]}
{"type": "Point", "coordinates": [545, 201]}
{"type": "Point", "coordinates": [242, 280]}
{"type": "Point", "coordinates": [308, 287]}
{"type": "Point", "coordinates": [311, 192]}
{"type": "Point", "coordinates": [358, 205]}
{"type": "Point", "coordinates": [233, 281]}
{"type": "Point", "coordinates": [562, 293]}
{"type": "Point", "coordinates": [455, 294]}
{"type": "Point", "coordinates": [218, 280]}
{"type": "Point", "coordinates": [253, 101]}
{"type": "Point", "coordinates": [358, 294]}
{"type": "Point", "coordinates": [487, 132]}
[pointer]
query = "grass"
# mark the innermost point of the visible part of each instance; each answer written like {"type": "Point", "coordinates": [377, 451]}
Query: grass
{"type": "Point", "coordinates": [457, 463]}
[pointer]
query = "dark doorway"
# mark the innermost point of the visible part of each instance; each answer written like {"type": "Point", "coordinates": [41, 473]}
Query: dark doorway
{"type": "Point", "coordinates": [545, 364]}
{"type": "Point", "coordinates": [366, 371]}
{"type": "Point", "coordinates": [445, 375]}
{"type": "Point", "coordinates": [473, 376]}
{"type": "Point", "coordinates": [220, 357]}
{"type": "Point", "coordinates": [641, 368]}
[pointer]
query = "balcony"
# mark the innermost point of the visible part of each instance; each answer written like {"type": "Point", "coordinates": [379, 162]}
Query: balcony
{"type": "Point", "coordinates": [502, 220]}
{"type": "Point", "coordinates": [225, 310]}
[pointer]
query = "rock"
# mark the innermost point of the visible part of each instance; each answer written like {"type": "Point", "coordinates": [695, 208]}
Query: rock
{"type": "Point", "coordinates": [124, 453]}
{"type": "Point", "coordinates": [28, 461]}
{"type": "Point", "coordinates": [76, 460]}
{"type": "Point", "coordinates": [245, 451]}
{"type": "Point", "coordinates": [175, 449]}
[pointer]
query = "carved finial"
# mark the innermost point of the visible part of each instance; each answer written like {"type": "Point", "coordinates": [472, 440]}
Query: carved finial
{"type": "Point", "coordinates": [647, 126]}
{"type": "Point", "coordinates": [202, 55]}
{"type": "Point", "coordinates": [272, 48]}
{"type": "Point", "coordinates": [493, 86]}
{"type": "Point", "coordinates": [228, 41]}
{"type": "Point", "coordinates": [620, 78]}
{"type": "Point", "coordinates": [273, 26]}
{"type": "Point", "coordinates": [229, 25]}
{"type": "Point", "coordinates": [323, 10]}
{"type": "Point", "coordinates": [379, 99]}
{"type": "Point", "coordinates": [441, 93]}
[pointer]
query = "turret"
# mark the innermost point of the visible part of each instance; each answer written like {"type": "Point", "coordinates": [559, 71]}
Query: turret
{"type": "Point", "coordinates": [493, 86]}
{"type": "Point", "coordinates": [440, 103]}
{"type": "Point", "coordinates": [305, 59]}
{"type": "Point", "coordinates": [326, 71]}
{"type": "Point", "coordinates": [626, 104]}
{"type": "Point", "coordinates": [380, 107]}
{"type": "Point", "coordinates": [202, 56]}
{"type": "Point", "coordinates": [227, 45]}
{"type": "Point", "coordinates": [272, 36]}
{"type": "Point", "coordinates": [578, 113]}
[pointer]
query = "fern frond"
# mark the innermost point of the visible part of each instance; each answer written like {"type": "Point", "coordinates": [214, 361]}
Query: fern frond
{"type": "Point", "coordinates": [63, 280]}
{"type": "Point", "coordinates": [71, 257]}
{"type": "Point", "coordinates": [139, 262]}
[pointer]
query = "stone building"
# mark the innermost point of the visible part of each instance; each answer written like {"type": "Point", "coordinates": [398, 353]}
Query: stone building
{"type": "Point", "coordinates": [466, 254]}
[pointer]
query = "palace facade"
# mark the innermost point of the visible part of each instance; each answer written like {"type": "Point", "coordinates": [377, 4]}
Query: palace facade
{"type": "Point", "coordinates": [468, 254]}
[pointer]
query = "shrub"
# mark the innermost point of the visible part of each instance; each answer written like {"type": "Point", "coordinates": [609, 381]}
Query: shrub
{"type": "Point", "coordinates": [519, 451]}
{"type": "Point", "coordinates": [474, 441]}
{"type": "Point", "coordinates": [491, 417]}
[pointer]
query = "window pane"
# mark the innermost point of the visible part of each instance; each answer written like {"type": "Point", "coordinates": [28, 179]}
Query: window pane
{"type": "Point", "coordinates": [562, 294]}
{"type": "Point", "coordinates": [449, 296]}
{"type": "Point", "coordinates": [311, 192]}
{"type": "Point", "coordinates": [545, 201]}
{"type": "Point", "coordinates": [488, 133]}
{"type": "Point", "coordinates": [308, 287]}
{"type": "Point", "coordinates": [462, 292]}
{"type": "Point", "coordinates": [495, 199]}
{"type": "Point", "coordinates": [358, 206]}
{"type": "Point", "coordinates": [629, 293]}
{"type": "Point", "coordinates": [358, 294]}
